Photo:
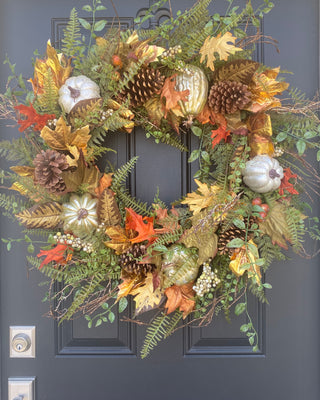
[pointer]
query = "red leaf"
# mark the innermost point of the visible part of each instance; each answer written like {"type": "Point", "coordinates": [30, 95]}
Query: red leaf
{"type": "Point", "coordinates": [33, 118]}
{"type": "Point", "coordinates": [56, 254]}
{"type": "Point", "coordinates": [285, 184]}
{"type": "Point", "coordinates": [142, 225]}
{"type": "Point", "coordinates": [219, 134]}
{"type": "Point", "coordinates": [171, 95]}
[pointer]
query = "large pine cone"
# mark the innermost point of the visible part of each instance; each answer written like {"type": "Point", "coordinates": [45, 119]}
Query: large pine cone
{"type": "Point", "coordinates": [227, 97]}
{"type": "Point", "coordinates": [146, 83]}
{"type": "Point", "coordinates": [233, 233]}
{"type": "Point", "coordinates": [49, 165]}
{"type": "Point", "coordinates": [130, 261]}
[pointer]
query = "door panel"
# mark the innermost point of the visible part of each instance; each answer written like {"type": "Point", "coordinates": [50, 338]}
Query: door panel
{"type": "Point", "coordinates": [74, 362]}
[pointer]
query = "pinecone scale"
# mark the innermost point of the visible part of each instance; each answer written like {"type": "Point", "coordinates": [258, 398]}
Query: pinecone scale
{"type": "Point", "coordinates": [131, 264]}
{"type": "Point", "coordinates": [227, 97]}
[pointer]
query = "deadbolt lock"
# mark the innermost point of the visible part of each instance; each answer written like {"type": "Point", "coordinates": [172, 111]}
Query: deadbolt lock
{"type": "Point", "coordinates": [21, 342]}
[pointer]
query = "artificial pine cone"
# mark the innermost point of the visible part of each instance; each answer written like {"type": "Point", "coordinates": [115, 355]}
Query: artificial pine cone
{"type": "Point", "coordinates": [49, 165]}
{"type": "Point", "coordinates": [130, 264]}
{"type": "Point", "coordinates": [233, 233]}
{"type": "Point", "coordinates": [146, 83]}
{"type": "Point", "coordinates": [227, 97]}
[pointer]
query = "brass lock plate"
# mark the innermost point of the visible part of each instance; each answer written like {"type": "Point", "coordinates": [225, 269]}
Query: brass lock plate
{"type": "Point", "coordinates": [22, 341]}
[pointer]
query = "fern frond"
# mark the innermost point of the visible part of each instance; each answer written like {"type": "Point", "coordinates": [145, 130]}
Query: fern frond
{"type": "Point", "coordinates": [296, 228]}
{"type": "Point", "coordinates": [122, 173]}
{"type": "Point", "coordinates": [48, 100]}
{"type": "Point", "coordinates": [17, 150]}
{"type": "Point", "coordinates": [156, 332]}
{"type": "Point", "coordinates": [168, 238]}
{"type": "Point", "coordinates": [128, 201]}
{"type": "Point", "coordinates": [71, 41]}
{"type": "Point", "coordinates": [12, 204]}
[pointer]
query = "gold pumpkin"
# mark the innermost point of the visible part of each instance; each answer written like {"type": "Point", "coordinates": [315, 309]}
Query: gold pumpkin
{"type": "Point", "coordinates": [194, 80]}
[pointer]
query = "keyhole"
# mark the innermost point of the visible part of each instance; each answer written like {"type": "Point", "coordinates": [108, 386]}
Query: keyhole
{"type": "Point", "coordinates": [19, 347]}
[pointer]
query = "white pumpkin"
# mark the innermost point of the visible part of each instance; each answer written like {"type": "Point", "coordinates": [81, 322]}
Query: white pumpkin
{"type": "Point", "coordinates": [262, 174]}
{"type": "Point", "coordinates": [79, 215]}
{"type": "Point", "coordinates": [75, 89]}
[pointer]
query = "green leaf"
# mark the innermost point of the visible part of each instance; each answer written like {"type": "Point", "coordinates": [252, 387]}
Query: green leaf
{"type": "Point", "coordinates": [90, 324]}
{"type": "Point", "coordinates": [99, 25]}
{"type": "Point", "coordinates": [235, 243]}
{"type": "Point", "coordinates": [255, 348]}
{"type": "Point", "coordinates": [196, 131]}
{"type": "Point", "coordinates": [99, 322]}
{"type": "Point", "coordinates": [9, 246]}
{"type": "Point", "coordinates": [239, 223]}
{"type": "Point", "coordinates": [160, 248]}
{"type": "Point", "coordinates": [194, 156]}
{"type": "Point", "coordinates": [309, 134]}
{"type": "Point", "coordinates": [87, 8]}
{"type": "Point", "coordinates": [85, 23]}
{"type": "Point", "coordinates": [205, 156]}
{"type": "Point", "coordinates": [105, 306]}
{"type": "Point", "coordinates": [244, 328]}
{"type": "Point", "coordinates": [123, 303]}
{"type": "Point", "coordinates": [267, 286]}
{"type": "Point", "coordinates": [100, 8]}
{"type": "Point", "coordinates": [281, 136]}
{"type": "Point", "coordinates": [30, 248]}
{"type": "Point", "coordinates": [240, 308]}
{"type": "Point", "coordinates": [301, 146]}
{"type": "Point", "coordinates": [111, 317]}
{"type": "Point", "coordinates": [318, 155]}
{"type": "Point", "coordinates": [251, 340]}
{"type": "Point", "coordinates": [87, 317]}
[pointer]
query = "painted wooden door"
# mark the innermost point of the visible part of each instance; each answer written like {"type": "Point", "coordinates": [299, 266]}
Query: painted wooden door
{"type": "Point", "coordinates": [74, 362]}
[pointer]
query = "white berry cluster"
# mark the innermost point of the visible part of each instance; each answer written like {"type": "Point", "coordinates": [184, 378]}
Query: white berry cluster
{"type": "Point", "coordinates": [207, 280]}
{"type": "Point", "coordinates": [75, 242]}
{"type": "Point", "coordinates": [106, 114]}
{"type": "Point", "coordinates": [278, 151]}
{"type": "Point", "coordinates": [171, 52]}
{"type": "Point", "coordinates": [51, 123]}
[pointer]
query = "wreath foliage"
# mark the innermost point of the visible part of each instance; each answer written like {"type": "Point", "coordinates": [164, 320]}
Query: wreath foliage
{"type": "Point", "coordinates": [200, 256]}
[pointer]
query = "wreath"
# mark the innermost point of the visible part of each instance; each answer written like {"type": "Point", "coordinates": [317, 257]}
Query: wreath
{"type": "Point", "coordinates": [193, 74]}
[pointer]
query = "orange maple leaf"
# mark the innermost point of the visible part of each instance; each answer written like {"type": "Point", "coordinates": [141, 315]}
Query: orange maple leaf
{"type": "Point", "coordinates": [172, 97]}
{"type": "Point", "coordinates": [285, 184]}
{"type": "Point", "coordinates": [142, 225]}
{"type": "Point", "coordinates": [33, 118]}
{"type": "Point", "coordinates": [219, 134]}
{"type": "Point", "coordinates": [56, 254]}
{"type": "Point", "coordinates": [182, 297]}
{"type": "Point", "coordinates": [206, 116]}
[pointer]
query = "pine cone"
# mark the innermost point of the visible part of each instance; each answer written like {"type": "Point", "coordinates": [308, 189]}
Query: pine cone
{"type": "Point", "coordinates": [130, 264]}
{"type": "Point", "coordinates": [146, 83]}
{"type": "Point", "coordinates": [233, 233]}
{"type": "Point", "coordinates": [227, 97]}
{"type": "Point", "coordinates": [49, 165]}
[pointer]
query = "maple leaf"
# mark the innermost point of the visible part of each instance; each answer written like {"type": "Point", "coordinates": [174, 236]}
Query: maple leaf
{"type": "Point", "coordinates": [181, 297]}
{"type": "Point", "coordinates": [220, 45]}
{"type": "Point", "coordinates": [145, 296]}
{"type": "Point", "coordinates": [172, 97]}
{"type": "Point", "coordinates": [62, 138]}
{"type": "Point", "coordinates": [219, 134]}
{"type": "Point", "coordinates": [128, 285]}
{"type": "Point", "coordinates": [54, 255]}
{"type": "Point", "coordinates": [120, 239]}
{"type": "Point", "coordinates": [245, 260]}
{"type": "Point", "coordinates": [206, 116]}
{"type": "Point", "coordinates": [168, 222]}
{"type": "Point", "coordinates": [263, 88]}
{"type": "Point", "coordinates": [60, 68]}
{"type": "Point", "coordinates": [33, 118]}
{"type": "Point", "coordinates": [285, 184]}
{"type": "Point", "coordinates": [142, 225]}
{"type": "Point", "coordinates": [202, 198]}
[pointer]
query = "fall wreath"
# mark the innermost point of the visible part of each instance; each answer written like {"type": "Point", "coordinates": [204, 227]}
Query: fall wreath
{"type": "Point", "coordinates": [201, 256]}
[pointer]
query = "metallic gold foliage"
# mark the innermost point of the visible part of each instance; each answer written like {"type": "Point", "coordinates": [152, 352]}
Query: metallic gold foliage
{"type": "Point", "coordinates": [42, 216]}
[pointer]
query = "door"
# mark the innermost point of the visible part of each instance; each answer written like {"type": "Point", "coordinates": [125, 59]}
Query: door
{"type": "Point", "coordinates": [77, 363]}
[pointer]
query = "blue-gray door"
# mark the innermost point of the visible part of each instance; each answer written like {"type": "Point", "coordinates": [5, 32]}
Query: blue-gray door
{"type": "Point", "coordinates": [73, 362]}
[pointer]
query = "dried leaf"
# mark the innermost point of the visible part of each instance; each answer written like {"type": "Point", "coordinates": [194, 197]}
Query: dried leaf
{"type": "Point", "coordinates": [285, 184]}
{"type": "Point", "coordinates": [45, 216]}
{"type": "Point", "coordinates": [108, 211]}
{"type": "Point", "coordinates": [142, 225]}
{"type": "Point", "coordinates": [127, 285]}
{"type": "Point", "coordinates": [145, 296]}
{"type": "Point", "coordinates": [37, 121]}
{"type": "Point", "coordinates": [154, 110]}
{"type": "Point", "coordinates": [181, 297]}
{"type": "Point", "coordinates": [275, 225]}
{"type": "Point", "coordinates": [202, 198]}
{"type": "Point", "coordinates": [237, 71]}
{"type": "Point", "coordinates": [23, 170]}
{"type": "Point", "coordinates": [245, 260]}
{"type": "Point", "coordinates": [120, 239]}
{"type": "Point", "coordinates": [172, 97]}
{"type": "Point", "coordinates": [62, 138]}
{"type": "Point", "coordinates": [207, 116]}
{"type": "Point", "coordinates": [219, 44]}
{"type": "Point", "coordinates": [104, 183]}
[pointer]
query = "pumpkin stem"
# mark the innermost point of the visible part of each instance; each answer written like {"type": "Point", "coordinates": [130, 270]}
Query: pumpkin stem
{"type": "Point", "coordinates": [82, 213]}
{"type": "Point", "coordinates": [273, 174]}
{"type": "Point", "coordinates": [74, 93]}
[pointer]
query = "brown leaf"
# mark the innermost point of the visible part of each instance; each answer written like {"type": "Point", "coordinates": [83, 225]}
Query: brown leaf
{"type": "Point", "coordinates": [104, 183]}
{"type": "Point", "coordinates": [45, 216]}
{"type": "Point", "coordinates": [108, 211]}
{"type": "Point", "coordinates": [182, 297]}
{"type": "Point", "coordinates": [237, 71]}
{"type": "Point", "coordinates": [120, 239]}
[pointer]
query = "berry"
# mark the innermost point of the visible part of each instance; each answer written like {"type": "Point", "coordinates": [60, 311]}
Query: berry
{"type": "Point", "coordinates": [116, 61]}
{"type": "Point", "coordinates": [262, 216]}
{"type": "Point", "coordinates": [257, 201]}
{"type": "Point", "coordinates": [265, 207]}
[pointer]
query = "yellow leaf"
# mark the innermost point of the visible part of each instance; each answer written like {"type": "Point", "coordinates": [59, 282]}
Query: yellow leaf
{"type": "Point", "coordinates": [127, 285]}
{"type": "Point", "coordinates": [245, 260]}
{"type": "Point", "coordinates": [145, 297]}
{"type": "Point", "coordinates": [59, 66]}
{"type": "Point", "coordinates": [62, 138]}
{"type": "Point", "coordinates": [259, 138]}
{"type": "Point", "coordinates": [219, 44]}
{"type": "Point", "coordinates": [46, 216]}
{"type": "Point", "coordinates": [120, 242]}
{"type": "Point", "coordinates": [23, 170]}
{"type": "Point", "coordinates": [202, 198]}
